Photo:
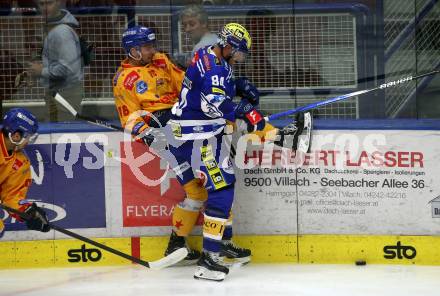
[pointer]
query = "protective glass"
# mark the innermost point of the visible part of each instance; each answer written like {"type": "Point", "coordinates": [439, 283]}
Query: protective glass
{"type": "Point", "coordinates": [46, 2]}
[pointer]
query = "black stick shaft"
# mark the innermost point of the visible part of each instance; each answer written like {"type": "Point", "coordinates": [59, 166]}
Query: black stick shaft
{"type": "Point", "coordinates": [99, 245]}
{"type": "Point", "coordinates": [24, 216]}
{"type": "Point", "coordinates": [100, 123]}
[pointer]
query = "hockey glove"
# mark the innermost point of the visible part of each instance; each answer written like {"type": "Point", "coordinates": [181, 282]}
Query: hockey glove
{"type": "Point", "coordinates": [245, 89]}
{"type": "Point", "coordinates": [153, 138]}
{"type": "Point", "coordinates": [37, 219]}
{"type": "Point", "coordinates": [253, 118]}
{"type": "Point", "coordinates": [145, 138]}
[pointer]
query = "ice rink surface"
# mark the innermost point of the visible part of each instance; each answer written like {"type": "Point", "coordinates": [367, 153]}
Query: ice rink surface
{"type": "Point", "coordinates": [254, 279]}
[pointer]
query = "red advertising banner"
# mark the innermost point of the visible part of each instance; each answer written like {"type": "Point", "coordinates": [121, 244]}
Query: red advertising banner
{"type": "Point", "coordinates": [150, 189]}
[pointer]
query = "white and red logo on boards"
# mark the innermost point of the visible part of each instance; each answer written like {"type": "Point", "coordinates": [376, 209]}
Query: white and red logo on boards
{"type": "Point", "coordinates": [147, 203]}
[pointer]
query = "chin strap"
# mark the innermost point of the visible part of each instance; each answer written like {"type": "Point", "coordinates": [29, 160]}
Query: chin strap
{"type": "Point", "coordinates": [31, 139]}
{"type": "Point", "coordinates": [134, 58]}
{"type": "Point", "coordinates": [226, 58]}
{"type": "Point", "coordinates": [14, 142]}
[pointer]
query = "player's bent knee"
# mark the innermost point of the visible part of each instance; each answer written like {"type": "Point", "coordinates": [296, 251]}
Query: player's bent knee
{"type": "Point", "coordinates": [195, 190]}
{"type": "Point", "coordinates": [185, 216]}
{"type": "Point", "coordinates": [186, 212]}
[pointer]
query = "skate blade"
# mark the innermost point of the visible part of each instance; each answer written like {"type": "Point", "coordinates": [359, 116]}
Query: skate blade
{"type": "Point", "coordinates": [242, 261]}
{"type": "Point", "coordinates": [305, 139]}
{"type": "Point", "coordinates": [234, 265]}
{"type": "Point", "coordinates": [186, 262]}
{"type": "Point", "coordinates": [206, 274]}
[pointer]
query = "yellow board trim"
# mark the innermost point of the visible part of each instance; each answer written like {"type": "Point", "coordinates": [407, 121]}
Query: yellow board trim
{"type": "Point", "coordinates": [347, 249]}
{"type": "Point", "coordinates": [265, 248]}
{"type": "Point", "coordinates": [88, 252]}
{"type": "Point", "coordinates": [54, 253]}
{"type": "Point", "coordinates": [305, 249]}
{"type": "Point", "coordinates": [7, 254]}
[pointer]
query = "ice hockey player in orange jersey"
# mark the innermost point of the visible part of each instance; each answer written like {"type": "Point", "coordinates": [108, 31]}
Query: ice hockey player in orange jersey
{"type": "Point", "coordinates": [148, 81]}
{"type": "Point", "coordinates": [18, 130]}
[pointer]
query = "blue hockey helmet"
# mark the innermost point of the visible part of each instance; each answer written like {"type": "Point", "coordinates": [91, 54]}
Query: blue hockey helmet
{"type": "Point", "coordinates": [237, 36]}
{"type": "Point", "coordinates": [22, 121]}
{"type": "Point", "coordinates": [137, 36]}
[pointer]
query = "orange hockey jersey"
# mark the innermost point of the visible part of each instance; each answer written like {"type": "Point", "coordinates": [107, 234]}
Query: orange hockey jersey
{"type": "Point", "coordinates": [15, 177]}
{"type": "Point", "coordinates": [152, 88]}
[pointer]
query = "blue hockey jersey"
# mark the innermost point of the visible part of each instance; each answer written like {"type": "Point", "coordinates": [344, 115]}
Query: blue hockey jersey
{"type": "Point", "coordinates": [205, 101]}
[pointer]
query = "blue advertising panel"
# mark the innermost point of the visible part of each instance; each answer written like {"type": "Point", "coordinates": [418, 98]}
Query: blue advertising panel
{"type": "Point", "coordinates": [68, 181]}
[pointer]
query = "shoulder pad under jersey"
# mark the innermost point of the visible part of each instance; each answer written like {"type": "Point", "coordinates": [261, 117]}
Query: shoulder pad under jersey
{"type": "Point", "coordinates": [160, 60]}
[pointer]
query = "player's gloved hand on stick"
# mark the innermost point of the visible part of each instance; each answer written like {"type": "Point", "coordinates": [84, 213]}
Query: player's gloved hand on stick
{"type": "Point", "coordinates": [245, 89]}
{"type": "Point", "coordinates": [153, 138]}
{"type": "Point", "coordinates": [253, 118]}
{"type": "Point", "coordinates": [145, 138]}
{"type": "Point", "coordinates": [37, 218]}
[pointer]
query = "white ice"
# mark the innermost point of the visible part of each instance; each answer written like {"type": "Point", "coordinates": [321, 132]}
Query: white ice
{"type": "Point", "coordinates": [254, 279]}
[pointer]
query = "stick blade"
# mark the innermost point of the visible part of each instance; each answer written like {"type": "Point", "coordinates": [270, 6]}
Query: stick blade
{"type": "Point", "coordinates": [305, 140]}
{"type": "Point", "coordinates": [171, 259]}
{"type": "Point", "coordinates": [65, 104]}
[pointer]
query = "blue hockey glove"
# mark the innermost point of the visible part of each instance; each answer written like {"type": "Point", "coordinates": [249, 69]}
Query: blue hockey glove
{"type": "Point", "coordinates": [254, 119]}
{"type": "Point", "coordinates": [245, 89]}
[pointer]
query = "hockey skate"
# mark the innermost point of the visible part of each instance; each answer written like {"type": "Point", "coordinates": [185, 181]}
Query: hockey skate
{"type": "Point", "coordinates": [298, 134]}
{"type": "Point", "coordinates": [209, 267]}
{"type": "Point", "coordinates": [177, 242]}
{"type": "Point", "coordinates": [232, 254]}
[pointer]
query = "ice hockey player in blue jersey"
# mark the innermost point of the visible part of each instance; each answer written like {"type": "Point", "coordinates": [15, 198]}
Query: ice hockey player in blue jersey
{"type": "Point", "coordinates": [199, 119]}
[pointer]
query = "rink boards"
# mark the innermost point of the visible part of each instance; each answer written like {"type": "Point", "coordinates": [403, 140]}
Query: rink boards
{"type": "Point", "coordinates": [305, 249]}
{"type": "Point", "coordinates": [361, 194]}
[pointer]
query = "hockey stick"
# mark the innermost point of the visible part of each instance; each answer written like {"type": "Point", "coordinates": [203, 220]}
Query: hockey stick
{"type": "Point", "coordinates": [166, 261]}
{"type": "Point", "coordinates": [91, 120]}
{"type": "Point", "coordinates": [349, 95]}
{"type": "Point", "coordinates": [304, 146]}
{"type": "Point", "coordinates": [75, 114]}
